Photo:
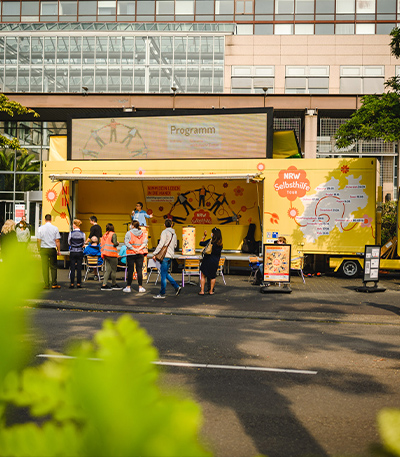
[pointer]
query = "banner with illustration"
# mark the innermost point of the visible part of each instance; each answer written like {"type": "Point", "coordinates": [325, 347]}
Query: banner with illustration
{"type": "Point", "coordinates": [325, 205]}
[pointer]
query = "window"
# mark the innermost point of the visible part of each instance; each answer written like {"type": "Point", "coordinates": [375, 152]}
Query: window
{"type": "Point", "coordinates": [365, 29]}
{"type": "Point", "coordinates": [304, 6]}
{"type": "Point", "coordinates": [204, 6]}
{"type": "Point", "coordinates": [283, 29]}
{"type": "Point", "coordinates": [68, 8]}
{"type": "Point", "coordinates": [184, 7]}
{"type": "Point", "coordinates": [284, 6]}
{"type": "Point", "coordinates": [252, 80]}
{"type": "Point", "coordinates": [304, 29]}
{"type": "Point", "coordinates": [29, 11]}
{"type": "Point", "coordinates": [87, 7]}
{"type": "Point", "coordinates": [106, 8]}
{"type": "Point", "coordinates": [11, 8]}
{"type": "Point", "coordinates": [244, 6]}
{"type": "Point", "coordinates": [345, 6]}
{"type": "Point", "coordinates": [244, 29]}
{"type": "Point", "coordinates": [263, 7]}
{"type": "Point", "coordinates": [365, 6]}
{"type": "Point", "coordinates": [344, 29]}
{"type": "Point", "coordinates": [165, 7]}
{"type": "Point", "coordinates": [224, 7]}
{"type": "Point", "coordinates": [307, 80]}
{"type": "Point", "coordinates": [362, 79]}
{"type": "Point", "coordinates": [125, 8]}
{"type": "Point", "coordinates": [49, 9]}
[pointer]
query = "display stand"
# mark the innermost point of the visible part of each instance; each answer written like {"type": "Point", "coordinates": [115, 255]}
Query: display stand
{"type": "Point", "coordinates": [276, 265]}
{"type": "Point", "coordinates": [372, 257]}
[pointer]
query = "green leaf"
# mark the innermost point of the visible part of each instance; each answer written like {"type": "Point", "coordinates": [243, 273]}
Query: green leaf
{"type": "Point", "coordinates": [389, 429]}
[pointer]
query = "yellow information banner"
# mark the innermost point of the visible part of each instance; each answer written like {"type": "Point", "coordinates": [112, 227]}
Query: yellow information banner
{"type": "Point", "coordinates": [321, 205]}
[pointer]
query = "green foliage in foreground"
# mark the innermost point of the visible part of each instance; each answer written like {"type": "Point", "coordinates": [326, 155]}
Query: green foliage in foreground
{"type": "Point", "coordinates": [104, 401]}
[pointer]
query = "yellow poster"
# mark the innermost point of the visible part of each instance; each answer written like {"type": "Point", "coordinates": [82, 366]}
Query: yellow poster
{"type": "Point", "coordinates": [321, 205]}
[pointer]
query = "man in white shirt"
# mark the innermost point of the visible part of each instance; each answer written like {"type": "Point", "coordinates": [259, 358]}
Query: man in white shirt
{"type": "Point", "coordinates": [48, 240]}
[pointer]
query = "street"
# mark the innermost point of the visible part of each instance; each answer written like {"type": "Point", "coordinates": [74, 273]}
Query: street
{"type": "Point", "coordinates": [348, 371]}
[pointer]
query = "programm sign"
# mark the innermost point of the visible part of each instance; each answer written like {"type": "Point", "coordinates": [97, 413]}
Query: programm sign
{"type": "Point", "coordinates": [276, 262]}
{"type": "Point", "coordinates": [198, 136]}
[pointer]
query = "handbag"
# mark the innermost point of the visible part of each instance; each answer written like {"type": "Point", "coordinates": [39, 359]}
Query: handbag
{"type": "Point", "coordinates": [163, 251]}
{"type": "Point", "coordinates": [207, 249]}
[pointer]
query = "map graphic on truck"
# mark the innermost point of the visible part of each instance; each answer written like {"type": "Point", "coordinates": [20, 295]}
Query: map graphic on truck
{"type": "Point", "coordinates": [324, 205]}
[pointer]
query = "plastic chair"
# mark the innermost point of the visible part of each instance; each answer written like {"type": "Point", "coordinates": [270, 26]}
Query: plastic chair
{"type": "Point", "coordinates": [254, 264]}
{"type": "Point", "coordinates": [297, 264]}
{"type": "Point", "coordinates": [220, 270]}
{"type": "Point", "coordinates": [191, 268]}
{"type": "Point", "coordinates": [92, 263]}
{"type": "Point", "coordinates": [153, 265]}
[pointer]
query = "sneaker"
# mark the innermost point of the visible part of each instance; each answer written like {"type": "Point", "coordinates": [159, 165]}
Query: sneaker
{"type": "Point", "coordinates": [178, 290]}
{"type": "Point", "coordinates": [127, 289]}
{"type": "Point", "coordinates": [116, 287]}
{"type": "Point", "coordinates": [71, 286]}
{"type": "Point", "coordinates": [142, 289]}
{"type": "Point", "coordinates": [106, 287]}
{"type": "Point", "coordinates": [56, 287]}
{"type": "Point", "coordinates": [159, 296]}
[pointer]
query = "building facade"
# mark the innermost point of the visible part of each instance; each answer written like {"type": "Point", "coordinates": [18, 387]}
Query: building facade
{"type": "Point", "coordinates": [196, 53]}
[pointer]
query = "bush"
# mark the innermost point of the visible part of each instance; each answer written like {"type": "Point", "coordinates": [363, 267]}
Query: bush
{"type": "Point", "coordinates": [389, 221]}
{"type": "Point", "coordinates": [102, 401]}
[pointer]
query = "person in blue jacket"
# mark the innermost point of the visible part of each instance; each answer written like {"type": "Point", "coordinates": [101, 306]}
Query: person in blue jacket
{"type": "Point", "coordinates": [140, 215]}
{"type": "Point", "coordinates": [93, 248]}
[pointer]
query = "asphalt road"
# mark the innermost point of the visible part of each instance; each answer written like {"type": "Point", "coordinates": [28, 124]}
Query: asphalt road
{"type": "Point", "coordinates": [348, 370]}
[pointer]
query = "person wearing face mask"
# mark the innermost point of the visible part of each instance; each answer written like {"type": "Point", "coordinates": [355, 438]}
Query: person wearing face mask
{"type": "Point", "coordinates": [23, 232]}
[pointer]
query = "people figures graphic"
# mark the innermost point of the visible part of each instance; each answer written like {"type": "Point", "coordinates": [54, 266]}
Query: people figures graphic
{"type": "Point", "coordinates": [182, 199]}
{"type": "Point", "coordinates": [176, 219]}
{"type": "Point", "coordinates": [113, 130]}
{"type": "Point", "coordinates": [129, 136]}
{"type": "Point", "coordinates": [97, 138]}
{"type": "Point", "coordinates": [202, 195]}
{"type": "Point", "coordinates": [226, 220]}
{"type": "Point", "coordinates": [220, 200]}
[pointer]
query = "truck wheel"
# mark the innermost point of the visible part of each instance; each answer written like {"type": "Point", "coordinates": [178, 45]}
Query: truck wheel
{"type": "Point", "coordinates": [350, 269]}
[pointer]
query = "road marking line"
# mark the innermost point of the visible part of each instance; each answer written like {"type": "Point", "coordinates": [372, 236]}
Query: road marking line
{"type": "Point", "coordinates": [200, 365]}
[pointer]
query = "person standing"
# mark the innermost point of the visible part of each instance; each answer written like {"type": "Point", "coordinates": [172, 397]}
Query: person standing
{"type": "Point", "coordinates": [209, 265]}
{"type": "Point", "coordinates": [109, 253]}
{"type": "Point", "coordinates": [8, 239]}
{"type": "Point", "coordinates": [95, 229]}
{"type": "Point", "coordinates": [167, 238]}
{"type": "Point", "coordinates": [140, 215]}
{"type": "Point", "coordinates": [48, 241]}
{"type": "Point", "coordinates": [76, 241]}
{"type": "Point", "coordinates": [23, 232]}
{"type": "Point", "coordinates": [136, 248]}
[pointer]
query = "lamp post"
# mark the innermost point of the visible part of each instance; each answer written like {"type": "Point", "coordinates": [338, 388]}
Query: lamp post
{"type": "Point", "coordinates": [174, 89]}
{"type": "Point", "coordinates": [265, 89]}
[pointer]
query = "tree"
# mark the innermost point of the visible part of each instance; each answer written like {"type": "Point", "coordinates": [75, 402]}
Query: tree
{"type": "Point", "coordinates": [13, 157]}
{"type": "Point", "coordinates": [379, 115]}
{"type": "Point", "coordinates": [11, 108]}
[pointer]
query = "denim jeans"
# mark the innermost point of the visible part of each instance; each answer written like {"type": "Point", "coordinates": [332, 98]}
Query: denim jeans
{"type": "Point", "coordinates": [165, 275]}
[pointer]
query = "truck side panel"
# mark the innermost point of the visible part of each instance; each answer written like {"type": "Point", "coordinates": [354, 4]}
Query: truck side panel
{"type": "Point", "coordinates": [321, 206]}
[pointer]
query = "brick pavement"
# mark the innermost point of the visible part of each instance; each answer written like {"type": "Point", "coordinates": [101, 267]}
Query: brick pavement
{"type": "Point", "coordinates": [323, 297]}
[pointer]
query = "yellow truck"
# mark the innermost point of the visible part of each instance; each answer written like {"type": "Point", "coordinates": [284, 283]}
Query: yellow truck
{"type": "Point", "coordinates": [212, 170]}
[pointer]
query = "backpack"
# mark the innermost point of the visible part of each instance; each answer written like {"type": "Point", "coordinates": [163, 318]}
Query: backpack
{"type": "Point", "coordinates": [250, 245]}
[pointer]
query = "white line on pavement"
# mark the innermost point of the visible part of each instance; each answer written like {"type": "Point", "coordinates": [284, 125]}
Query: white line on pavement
{"type": "Point", "coordinates": [201, 365]}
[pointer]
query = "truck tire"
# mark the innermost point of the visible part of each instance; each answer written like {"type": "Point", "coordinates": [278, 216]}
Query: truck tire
{"type": "Point", "coordinates": [350, 269]}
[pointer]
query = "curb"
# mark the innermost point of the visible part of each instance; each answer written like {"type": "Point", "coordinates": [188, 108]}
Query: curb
{"type": "Point", "coordinates": [281, 315]}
